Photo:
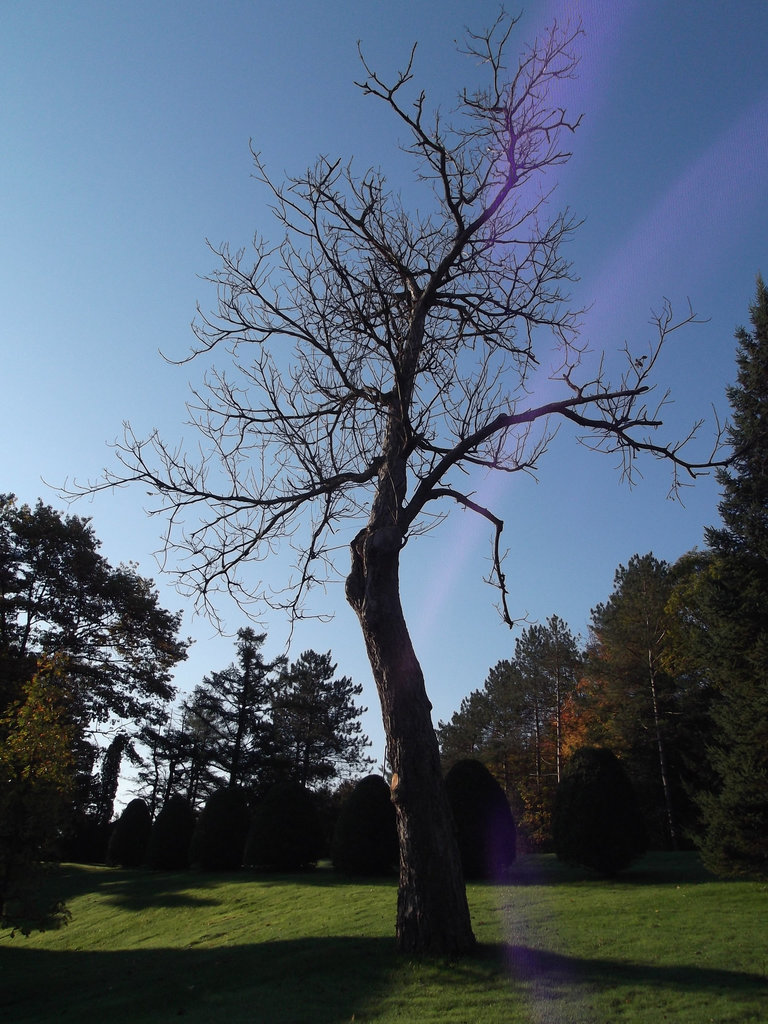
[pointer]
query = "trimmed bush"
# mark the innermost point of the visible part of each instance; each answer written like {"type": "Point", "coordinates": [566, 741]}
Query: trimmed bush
{"type": "Point", "coordinates": [287, 832]}
{"type": "Point", "coordinates": [85, 840]}
{"type": "Point", "coordinates": [365, 839]}
{"type": "Point", "coordinates": [128, 843]}
{"type": "Point", "coordinates": [171, 835]}
{"type": "Point", "coordinates": [219, 836]}
{"type": "Point", "coordinates": [596, 821]}
{"type": "Point", "coordinates": [485, 827]}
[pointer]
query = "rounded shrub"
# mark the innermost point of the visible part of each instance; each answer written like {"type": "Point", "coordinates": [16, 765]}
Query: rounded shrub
{"type": "Point", "coordinates": [171, 835]}
{"type": "Point", "coordinates": [596, 822]}
{"type": "Point", "coordinates": [365, 838]}
{"type": "Point", "coordinates": [286, 833]}
{"type": "Point", "coordinates": [130, 835]}
{"type": "Point", "coordinates": [219, 836]}
{"type": "Point", "coordinates": [86, 839]}
{"type": "Point", "coordinates": [485, 827]}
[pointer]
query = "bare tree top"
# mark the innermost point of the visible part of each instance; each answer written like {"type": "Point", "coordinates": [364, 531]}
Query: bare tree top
{"type": "Point", "coordinates": [379, 355]}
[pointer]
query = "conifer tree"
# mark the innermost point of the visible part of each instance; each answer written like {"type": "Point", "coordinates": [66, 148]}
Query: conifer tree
{"type": "Point", "coordinates": [629, 641]}
{"type": "Point", "coordinates": [317, 722]}
{"type": "Point", "coordinates": [735, 814]}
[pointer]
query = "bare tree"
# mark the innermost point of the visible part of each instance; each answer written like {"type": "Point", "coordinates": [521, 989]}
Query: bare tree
{"type": "Point", "coordinates": [379, 357]}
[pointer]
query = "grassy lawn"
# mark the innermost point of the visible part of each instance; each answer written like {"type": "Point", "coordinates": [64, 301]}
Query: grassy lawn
{"type": "Point", "coordinates": [663, 943]}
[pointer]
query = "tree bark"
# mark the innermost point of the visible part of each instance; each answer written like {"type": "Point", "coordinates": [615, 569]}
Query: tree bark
{"type": "Point", "coordinates": [668, 804]}
{"type": "Point", "coordinates": [432, 911]}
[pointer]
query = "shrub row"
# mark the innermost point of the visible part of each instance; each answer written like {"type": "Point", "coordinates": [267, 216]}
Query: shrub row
{"type": "Point", "coordinates": [282, 832]}
{"type": "Point", "coordinates": [596, 824]}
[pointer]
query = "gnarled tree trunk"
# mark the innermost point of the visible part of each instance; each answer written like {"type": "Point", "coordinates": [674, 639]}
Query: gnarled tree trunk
{"type": "Point", "coordinates": [432, 911]}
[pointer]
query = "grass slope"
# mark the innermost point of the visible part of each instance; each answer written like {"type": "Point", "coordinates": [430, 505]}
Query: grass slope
{"type": "Point", "coordinates": [663, 943]}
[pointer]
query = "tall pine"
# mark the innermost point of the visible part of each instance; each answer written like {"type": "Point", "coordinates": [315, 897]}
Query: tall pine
{"type": "Point", "coordinates": [735, 812]}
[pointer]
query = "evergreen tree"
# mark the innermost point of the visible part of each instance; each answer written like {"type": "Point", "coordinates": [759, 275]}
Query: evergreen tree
{"type": "Point", "coordinates": [548, 658]}
{"type": "Point", "coordinates": [365, 837]}
{"type": "Point", "coordinates": [221, 830]}
{"type": "Point", "coordinates": [597, 821]}
{"type": "Point", "coordinates": [517, 724]}
{"type": "Point", "coordinates": [235, 708]}
{"type": "Point", "coordinates": [171, 835]}
{"type": "Point", "coordinates": [735, 812]}
{"type": "Point", "coordinates": [485, 827]}
{"type": "Point", "coordinates": [130, 836]}
{"type": "Point", "coordinates": [629, 633]}
{"type": "Point", "coordinates": [466, 734]}
{"type": "Point", "coordinates": [317, 722]}
{"type": "Point", "coordinates": [286, 831]}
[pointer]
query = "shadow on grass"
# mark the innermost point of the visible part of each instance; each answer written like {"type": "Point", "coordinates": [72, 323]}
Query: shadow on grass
{"type": "Point", "coordinates": [323, 981]}
{"type": "Point", "coordinates": [140, 888]}
{"type": "Point", "coordinates": [319, 980]}
{"type": "Point", "coordinates": [561, 973]}
{"type": "Point", "coordinates": [653, 869]}
{"type": "Point", "coordinates": [132, 890]}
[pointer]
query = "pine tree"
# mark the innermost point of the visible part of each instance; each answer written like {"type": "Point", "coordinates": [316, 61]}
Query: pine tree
{"type": "Point", "coordinates": [317, 722]}
{"type": "Point", "coordinates": [629, 641]}
{"type": "Point", "coordinates": [735, 813]}
{"type": "Point", "coordinates": [232, 711]}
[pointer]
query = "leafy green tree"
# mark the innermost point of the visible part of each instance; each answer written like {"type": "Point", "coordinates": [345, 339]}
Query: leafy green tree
{"type": "Point", "coordinates": [597, 821]}
{"type": "Point", "coordinates": [109, 778]}
{"type": "Point", "coordinates": [318, 733]}
{"type": "Point", "coordinates": [382, 355]}
{"type": "Point", "coordinates": [60, 597]}
{"type": "Point", "coordinates": [36, 777]}
{"type": "Point", "coordinates": [735, 609]}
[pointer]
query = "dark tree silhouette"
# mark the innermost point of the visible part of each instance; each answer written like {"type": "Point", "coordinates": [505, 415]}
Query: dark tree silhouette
{"type": "Point", "coordinates": [379, 354]}
{"type": "Point", "coordinates": [318, 735]}
{"type": "Point", "coordinates": [597, 821]}
{"type": "Point", "coordinates": [365, 837]}
{"type": "Point", "coordinates": [735, 812]}
{"type": "Point", "coordinates": [484, 824]}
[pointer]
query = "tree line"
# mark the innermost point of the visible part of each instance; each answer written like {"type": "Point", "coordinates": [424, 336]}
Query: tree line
{"type": "Point", "coordinates": [254, 724]}
{"type": "Point", "coordinates": [672, 676]}
{"type": "Point", "coordinates": [86, 661]}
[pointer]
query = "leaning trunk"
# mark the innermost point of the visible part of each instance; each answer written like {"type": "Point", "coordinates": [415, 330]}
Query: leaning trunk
{"type": "Point", "coordinates": [432, 911]}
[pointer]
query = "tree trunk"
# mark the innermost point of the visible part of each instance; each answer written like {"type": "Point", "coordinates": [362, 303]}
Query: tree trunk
{"type": "Point", "coordinates": [671, 824]}
{"type": "Point", "coordinates": [432, 912]}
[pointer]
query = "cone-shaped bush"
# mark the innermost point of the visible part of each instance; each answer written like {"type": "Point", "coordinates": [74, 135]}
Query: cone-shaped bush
{"type": "Point", "coordinates": [287, 832]}
{"type": "Point", "coordinates": [221, 830]}
{"type": "Point", "coordinates": [130, 836]}
{"type": "Point", "coordinates": [171, 835]}
{"type": "Point", "coordinates": [596, 821]}
{"type": "Point", "coordinates": [485, 827]}
{"type": "Point", "coordinates": [365, 838]}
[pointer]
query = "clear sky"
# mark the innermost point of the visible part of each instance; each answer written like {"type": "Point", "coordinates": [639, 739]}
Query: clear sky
{"type": "Point", "coordinates": [125, 133]}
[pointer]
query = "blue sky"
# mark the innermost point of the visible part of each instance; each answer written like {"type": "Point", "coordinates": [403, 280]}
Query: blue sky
{"type": "Point", "coordinates": [125, 137]}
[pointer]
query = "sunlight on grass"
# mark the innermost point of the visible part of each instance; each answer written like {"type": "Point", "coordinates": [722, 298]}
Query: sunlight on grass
{"type": "Point", "coordinates": [662, 943]}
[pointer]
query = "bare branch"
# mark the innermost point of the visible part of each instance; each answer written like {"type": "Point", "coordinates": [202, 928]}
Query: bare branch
{"type": "Point", "coordinates": [373, 351]}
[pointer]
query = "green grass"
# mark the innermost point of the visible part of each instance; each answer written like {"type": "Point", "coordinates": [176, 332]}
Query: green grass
{"type": "Point", "coordinates": [665, 942]}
